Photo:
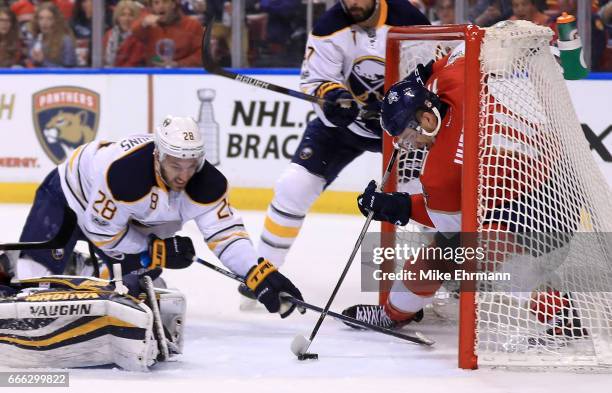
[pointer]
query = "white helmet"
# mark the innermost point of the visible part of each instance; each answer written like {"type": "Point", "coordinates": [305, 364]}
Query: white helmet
{"type": "Point", "coordinates": [180, 137]}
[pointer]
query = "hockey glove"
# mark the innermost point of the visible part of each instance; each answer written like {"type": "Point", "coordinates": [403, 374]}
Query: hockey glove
{"type": "Point", "coordinates": [393, 207]}
{"type": "Point", "coordinates": [134, 281]}
{"type": "Point", "coordinates": [175, 252]}
{"type": "Point", "coordinates": [422, 73]}
{"type": "Point", "coordinates": [340, 107]}
{"type": "Point", "coordinates": [268, 285]}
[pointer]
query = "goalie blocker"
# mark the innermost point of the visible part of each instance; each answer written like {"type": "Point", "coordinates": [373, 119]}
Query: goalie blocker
{"type": "Point", "coordinates": [67, 321]}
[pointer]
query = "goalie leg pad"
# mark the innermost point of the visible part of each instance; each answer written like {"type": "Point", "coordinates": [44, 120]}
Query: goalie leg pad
{"type": "Point", "coordinates": [80, 328]}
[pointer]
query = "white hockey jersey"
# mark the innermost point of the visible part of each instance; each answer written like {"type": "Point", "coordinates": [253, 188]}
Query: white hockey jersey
{"type": "Point", "coordinates": [120, 200]}
{"type": "Point", "coordinates": [339, 51]}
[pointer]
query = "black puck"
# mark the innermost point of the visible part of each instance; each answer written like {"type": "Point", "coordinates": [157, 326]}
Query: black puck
{"type": "Point", "coordinates": [308, 356]}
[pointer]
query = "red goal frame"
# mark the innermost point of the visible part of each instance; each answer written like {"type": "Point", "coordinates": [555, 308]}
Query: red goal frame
{"type": "Point", "coordinates": [472, 36]}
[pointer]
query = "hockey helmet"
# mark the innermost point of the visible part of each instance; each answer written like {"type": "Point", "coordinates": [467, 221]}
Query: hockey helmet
{"type": "Point", "coordinates": [180, 137]}
{"type": "Point", "coordinates": [401, 104]}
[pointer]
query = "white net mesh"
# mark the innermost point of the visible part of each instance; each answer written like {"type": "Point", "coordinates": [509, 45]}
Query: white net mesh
{"type": "Point", "coordinates": [544, 209]}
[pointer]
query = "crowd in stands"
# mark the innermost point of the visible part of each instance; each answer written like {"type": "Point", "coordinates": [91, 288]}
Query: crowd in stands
{"type": "Point", "coordinates": [168, 33]}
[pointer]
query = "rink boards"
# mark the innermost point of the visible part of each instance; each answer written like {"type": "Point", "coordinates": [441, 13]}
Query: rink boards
{"type": "Point", "coordinates": [251, 133]}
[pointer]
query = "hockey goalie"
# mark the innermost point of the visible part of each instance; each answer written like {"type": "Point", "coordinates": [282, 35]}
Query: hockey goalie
{"type": "Point", "coordinates": [70, 321]}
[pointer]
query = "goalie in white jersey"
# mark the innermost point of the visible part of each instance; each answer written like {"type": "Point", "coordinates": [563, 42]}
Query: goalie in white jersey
{"type": "Point", "coordinates": [130, 198]}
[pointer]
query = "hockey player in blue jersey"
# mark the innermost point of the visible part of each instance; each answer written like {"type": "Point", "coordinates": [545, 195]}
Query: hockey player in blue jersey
{"type": "Point", "coordinates": [344, 60]}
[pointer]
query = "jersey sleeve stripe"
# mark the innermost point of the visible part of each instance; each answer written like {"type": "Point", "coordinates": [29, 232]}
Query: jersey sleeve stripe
{"type": "Point", "coordinates": [78, 198]}
{"type": "Point", "coordinates": [224, 230]}
{"type": "Point", "coordinates": [229, 245]}
{"type": "Point", "coordinates": [240, 234]}
{"type": "Point", "coordinates": [118, 236]}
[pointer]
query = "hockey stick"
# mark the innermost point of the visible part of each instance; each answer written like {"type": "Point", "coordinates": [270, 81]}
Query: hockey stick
{"type": "Point", "coordinates": [213, 68]}
{"type": "Point", "coordinates": [158, 332]}
{"type": "Point", "coordinates": [300, 344]}
{"type": "Point", "coordinates": [418, 339]}
{"type": "Point", "coordinates": [59, 241]}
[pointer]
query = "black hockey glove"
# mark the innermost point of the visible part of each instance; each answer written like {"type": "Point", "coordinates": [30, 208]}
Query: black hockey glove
{"type": "Point", "coordinates": [340, 107]}
{"type": "Point", "coordinates": [268, 285]}
{"type": "Point", "coordinates": [421, 73]}
{"type": "Point", "coordinates": [134, 281]}
{"type": "Point", "coordinates": [393, 207]}
{"type": "Point", "coordinates": [175, 252]}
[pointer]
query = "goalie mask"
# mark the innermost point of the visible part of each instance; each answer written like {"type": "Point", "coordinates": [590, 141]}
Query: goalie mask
{"type": "Point", "coordinates": [400, 105]}
{"type": "Point", "coordinates": [180, 137]}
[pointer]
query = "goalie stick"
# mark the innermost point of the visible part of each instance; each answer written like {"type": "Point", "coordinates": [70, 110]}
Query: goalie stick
{"type": "Point", "coordinates": [59, 241]}
{"type": "Point", "coordinates": [215, 69]}
{"type": "Point", "coordinates": [417, 339]}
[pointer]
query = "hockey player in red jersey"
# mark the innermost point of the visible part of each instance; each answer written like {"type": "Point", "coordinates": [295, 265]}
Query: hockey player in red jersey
{"type": "Point", "coordinates": [426, 109]}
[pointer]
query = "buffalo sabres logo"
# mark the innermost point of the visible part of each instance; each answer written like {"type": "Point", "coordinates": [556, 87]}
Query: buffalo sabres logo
{"type": "Point", "coordinates": [367, 79]}
{"type": "Point", "coordinates": [64, 118]}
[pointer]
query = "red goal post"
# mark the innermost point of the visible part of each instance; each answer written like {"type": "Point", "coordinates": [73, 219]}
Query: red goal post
{"type": "Point", "coordinates": [472, 36]}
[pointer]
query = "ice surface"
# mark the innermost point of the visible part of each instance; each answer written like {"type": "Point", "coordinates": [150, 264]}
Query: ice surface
{"type": "Point", "coordinates": [227, 350]}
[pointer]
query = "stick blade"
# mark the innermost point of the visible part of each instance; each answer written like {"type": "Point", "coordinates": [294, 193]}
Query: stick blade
{"type": "Point", "coordinates": [299, 345]}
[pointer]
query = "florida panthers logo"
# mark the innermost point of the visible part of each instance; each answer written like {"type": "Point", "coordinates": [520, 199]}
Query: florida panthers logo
{"type": "Point", "coordinates": [65, 118]}
{"type": "Point", "coordinates": [367, 78]}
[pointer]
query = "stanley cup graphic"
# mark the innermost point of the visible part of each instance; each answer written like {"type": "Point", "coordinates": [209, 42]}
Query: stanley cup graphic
{"type": "Point", "coordinates": [208, 126]}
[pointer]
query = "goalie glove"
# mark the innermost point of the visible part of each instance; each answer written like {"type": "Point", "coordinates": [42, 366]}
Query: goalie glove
{"type": "Point", "coordinates": [393, 207]}
{"type": "Point", "coordinates": [268, 285]}
{"type": "Point", "coordinates": [134, 281]}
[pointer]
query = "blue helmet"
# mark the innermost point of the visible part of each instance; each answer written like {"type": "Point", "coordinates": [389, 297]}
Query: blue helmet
{"type": "Point", "coordinates": [401, 103]}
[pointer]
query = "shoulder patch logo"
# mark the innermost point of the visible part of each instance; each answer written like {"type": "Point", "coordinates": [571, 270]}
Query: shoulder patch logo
{"type": "Point", "coordinates": [64, 118]}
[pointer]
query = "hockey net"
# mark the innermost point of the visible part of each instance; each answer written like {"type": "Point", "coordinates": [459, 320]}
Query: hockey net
{"type": "Point", "coordinates": [526, 163]}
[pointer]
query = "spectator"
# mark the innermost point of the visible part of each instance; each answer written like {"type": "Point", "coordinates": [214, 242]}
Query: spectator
{"type": "Point", "coordinates": [24, 10]}
{"type": "Point", "coordinates": [194, 9]}
{"type": "Point", "coordinates": [170, 38]}
{"type": "Point", "coordinates": [27, 7]}
{"type": "Point", "coordinates": [10, 43]}
{"type": "Point", "coordinates": [81, 27]}
{"type": "Point", "coordinates": [53, 44]}
{"type": "Point", "coordinates": [215, 8]}
{"type": "Point", "coordinates": [488, 12]}
{"type": "Point", "coordinates": [445, 11]}
{"type": "Point", "coordinates": [606, 16]}
{"type": "Point", "coordinates": [121, 48]}
{"type": "Point", "coordinates": [527, 10]}
{"type": "Point", "coordinates": [282, 21]}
